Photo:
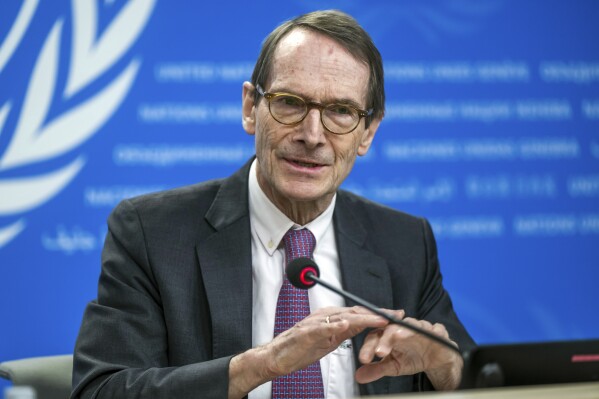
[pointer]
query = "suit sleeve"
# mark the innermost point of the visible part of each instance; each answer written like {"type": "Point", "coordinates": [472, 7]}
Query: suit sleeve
{"type": "Point", "coordinates": [122, 349]}
{"type": "Point", "coordinates": [435, 304]}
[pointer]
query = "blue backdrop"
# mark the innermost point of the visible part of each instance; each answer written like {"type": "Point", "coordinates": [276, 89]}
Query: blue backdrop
{"type": "Point", "coordinates": [491, 132]}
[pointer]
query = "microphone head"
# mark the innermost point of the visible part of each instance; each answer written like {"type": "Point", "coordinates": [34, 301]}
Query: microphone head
{"type": "Point", "coordinates": [299, 270]}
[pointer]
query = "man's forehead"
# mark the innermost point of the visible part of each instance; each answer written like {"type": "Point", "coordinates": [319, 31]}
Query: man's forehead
{"type": "Point", "coordinates": [313, 59]}
{"type": "Point", "coordinates": [307, 40]}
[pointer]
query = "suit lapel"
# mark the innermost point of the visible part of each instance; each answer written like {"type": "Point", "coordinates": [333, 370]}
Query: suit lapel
{"type": "Point", "coordinates": [363, 273]}
{"type": "Point", "coordinates": [226, 263]}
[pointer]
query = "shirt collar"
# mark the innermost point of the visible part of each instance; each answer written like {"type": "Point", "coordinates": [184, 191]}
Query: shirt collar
{"type": "Point", "coordinates": [270, 224]}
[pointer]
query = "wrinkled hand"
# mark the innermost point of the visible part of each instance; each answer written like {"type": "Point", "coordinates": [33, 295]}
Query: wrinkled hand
{"type": "Point", "coordinates": [403, 352]}
{"type": "Point", "coordinates": [303, 344]}
{"type": "Point", "coordinates": [317, 335]}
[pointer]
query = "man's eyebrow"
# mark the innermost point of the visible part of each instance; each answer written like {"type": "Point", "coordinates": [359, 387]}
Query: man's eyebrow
{"type": "Point", "coordinates": [345, 101]}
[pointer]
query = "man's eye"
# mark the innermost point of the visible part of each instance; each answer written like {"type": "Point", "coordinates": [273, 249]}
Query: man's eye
{"type": "Point", "coordinates": [291, 101]}
{"type": "Point", "coordinates": [341, 109]}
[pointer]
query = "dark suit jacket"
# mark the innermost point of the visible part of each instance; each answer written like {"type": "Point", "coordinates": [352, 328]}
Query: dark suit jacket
{"type": "Point", "coordinates": [175, 292]}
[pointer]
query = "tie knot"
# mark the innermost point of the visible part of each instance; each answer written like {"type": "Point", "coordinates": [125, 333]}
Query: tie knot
{"type": "Point", "coordinates": [299, 243]}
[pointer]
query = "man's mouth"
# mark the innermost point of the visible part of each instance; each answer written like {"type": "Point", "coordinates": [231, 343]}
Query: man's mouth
{"type": "Point", "coordinates": [306, 164]}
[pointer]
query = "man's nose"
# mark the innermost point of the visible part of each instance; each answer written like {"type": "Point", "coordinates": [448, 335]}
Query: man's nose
{"type": "Point", "coordinates": [313, 131]}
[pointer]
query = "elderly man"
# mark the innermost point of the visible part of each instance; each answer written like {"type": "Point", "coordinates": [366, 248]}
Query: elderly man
{"type": "Point", "coordinates": [193, 300]}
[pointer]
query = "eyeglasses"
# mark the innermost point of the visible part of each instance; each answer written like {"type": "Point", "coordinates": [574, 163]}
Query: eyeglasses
{"type": "Point", "coordinates": [290, 109]}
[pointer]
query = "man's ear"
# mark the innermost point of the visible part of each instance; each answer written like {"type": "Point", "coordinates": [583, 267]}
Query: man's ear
{"type": "Point", "coordinates": [248, 109]}
{"type": "Point", "coordinates": [368, 136]}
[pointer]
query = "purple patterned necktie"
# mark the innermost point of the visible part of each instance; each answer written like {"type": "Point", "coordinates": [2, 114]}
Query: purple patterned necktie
{"type": "Point", "coordinates": [292, 307]}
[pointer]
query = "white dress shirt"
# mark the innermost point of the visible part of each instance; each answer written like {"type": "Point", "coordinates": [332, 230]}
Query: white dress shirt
{"type": "Point", "coordinates": [269, 225]}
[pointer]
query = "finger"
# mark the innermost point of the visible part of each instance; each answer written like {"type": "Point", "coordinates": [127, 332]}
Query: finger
{"type": "Point", "coordinates": [337, 328]}
{"type": "Point", "coordinates": [395, 334]}
{"type": "Point", "coordinates": [396, 314]}
{"type": "Point", "coordinates": [336, 313]}
{"type": "Point", "coordinates": [418, 323]}
{"type": "Point", "coordinates": [425, 325]}
{"type": "Point", "coordinates": [374, 371]}
{"type": "Point", "coordinates": [392, 335]}
{"type": "Point", "coordinates": [436, 329]}
{"type": "Point", "coordinates": [327, 311]}
{"type": "Point", "coordinates": [440, 330]}
{"type": "Point", "coordinates": [371, 342]}
{"type": "Point", "coordinates": [359, 319]}
{"type": "Point", "coordinates": [332, 325]}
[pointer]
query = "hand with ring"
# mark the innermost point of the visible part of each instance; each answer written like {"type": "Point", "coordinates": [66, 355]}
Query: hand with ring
{"type": "Point", "coordinates": [306, 342]}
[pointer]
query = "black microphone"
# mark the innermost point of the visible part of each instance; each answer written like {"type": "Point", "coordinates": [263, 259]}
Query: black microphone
{"type": "Point", "coordinates": [303, 273]}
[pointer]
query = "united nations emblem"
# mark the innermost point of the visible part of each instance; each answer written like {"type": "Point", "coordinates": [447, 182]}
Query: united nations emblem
{"type": "Point", "coordinates": [39, 136]}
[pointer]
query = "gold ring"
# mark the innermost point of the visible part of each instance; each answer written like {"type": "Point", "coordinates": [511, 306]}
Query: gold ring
{"type": "Point", "coordinates": [327, 319]}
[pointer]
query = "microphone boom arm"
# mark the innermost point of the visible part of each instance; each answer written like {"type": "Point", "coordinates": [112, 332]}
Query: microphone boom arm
{"type": "Point", "coordinates": [379, 312]}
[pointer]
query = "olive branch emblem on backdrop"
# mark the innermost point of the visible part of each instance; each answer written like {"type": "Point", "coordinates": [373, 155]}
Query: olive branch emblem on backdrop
{"type": "Point", "coordinates": [36, 137]}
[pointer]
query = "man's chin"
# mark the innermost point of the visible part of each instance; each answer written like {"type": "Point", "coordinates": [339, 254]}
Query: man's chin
{"type": "Point", "coordinates": [307, 195]}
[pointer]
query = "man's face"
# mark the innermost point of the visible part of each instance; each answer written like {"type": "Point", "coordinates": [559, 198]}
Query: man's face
{"type": "Point", "coordinates": [305, 162]}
